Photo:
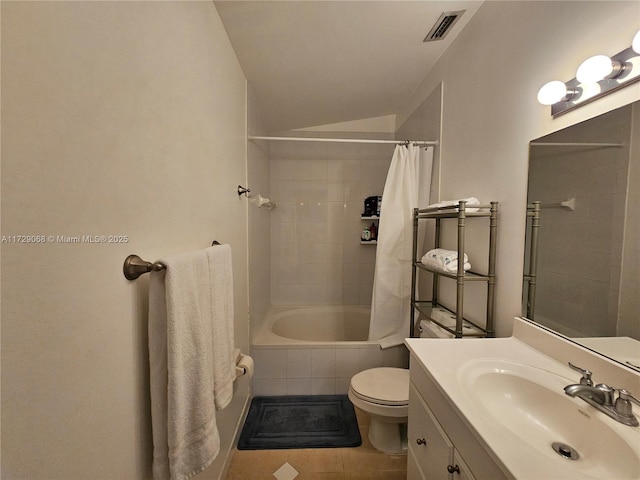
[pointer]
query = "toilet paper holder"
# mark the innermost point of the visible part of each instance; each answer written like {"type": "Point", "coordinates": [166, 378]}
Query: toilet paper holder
{"type": "Point", "coordinates": [244, 364]}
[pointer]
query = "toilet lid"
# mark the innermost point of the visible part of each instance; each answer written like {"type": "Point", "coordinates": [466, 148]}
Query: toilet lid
{"type": "Point", "coordinates": [384, 385]}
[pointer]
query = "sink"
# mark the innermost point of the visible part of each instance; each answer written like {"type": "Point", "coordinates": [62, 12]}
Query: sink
{"type": "Point", "coordinates": [530, 408]}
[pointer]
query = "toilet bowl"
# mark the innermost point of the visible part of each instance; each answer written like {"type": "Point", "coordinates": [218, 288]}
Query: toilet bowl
{"type": "Point", "coordinates": [384, 394]}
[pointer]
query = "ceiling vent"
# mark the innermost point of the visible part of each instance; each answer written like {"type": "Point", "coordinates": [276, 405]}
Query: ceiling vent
{"type": "Point", "coordinates": [443, 26]}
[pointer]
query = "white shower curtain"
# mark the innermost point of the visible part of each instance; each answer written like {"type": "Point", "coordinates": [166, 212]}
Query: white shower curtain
{"type": "Point", "coordinates": [407, 187]}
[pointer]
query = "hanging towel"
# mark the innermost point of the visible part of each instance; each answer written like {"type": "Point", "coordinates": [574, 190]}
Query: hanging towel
{"type": "Point", "coordinates": [224, 366]}
{"type": "Point", "coordinates": [189, 303]}
{"type": "Point", "coordinates": [450, 203]}
{"type": "Point", "coordinates": [445, 260]}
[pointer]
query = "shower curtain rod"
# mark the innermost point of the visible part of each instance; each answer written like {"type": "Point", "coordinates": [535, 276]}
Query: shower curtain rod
{"type": "Point", "coordinates": [421, 143]}
{"type": "Point", "coordinates": [575, 144]}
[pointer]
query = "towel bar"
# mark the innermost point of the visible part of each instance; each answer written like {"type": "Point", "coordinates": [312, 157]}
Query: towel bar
{"type": "Point", "coordinates": [134, 266]}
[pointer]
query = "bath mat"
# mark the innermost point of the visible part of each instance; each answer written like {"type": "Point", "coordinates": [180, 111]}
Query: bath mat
{"type": "Point", "coordinates": [300, 421]}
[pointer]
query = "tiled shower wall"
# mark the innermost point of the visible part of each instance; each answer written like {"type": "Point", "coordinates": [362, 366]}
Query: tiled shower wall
{"type": "Point", "coordinates": [316, 255]}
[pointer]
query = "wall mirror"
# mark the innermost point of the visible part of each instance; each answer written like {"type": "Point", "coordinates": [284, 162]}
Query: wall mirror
{"type": "Point", "coordinates": [582, 263]}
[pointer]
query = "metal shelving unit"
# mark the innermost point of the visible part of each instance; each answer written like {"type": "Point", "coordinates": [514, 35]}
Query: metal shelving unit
{"type": "Point", "coordinates": [460, 213]}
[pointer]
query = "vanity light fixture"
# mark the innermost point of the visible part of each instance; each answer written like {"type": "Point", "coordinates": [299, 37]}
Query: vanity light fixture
{"type": "Point", "coordinates": [555, 91]}
{"type": "Point", "coordinates": [597, 68]}
{"type": "Point", "coordinates": [595, 77]}
{"type": "Point", "coordinates": [635, 44]}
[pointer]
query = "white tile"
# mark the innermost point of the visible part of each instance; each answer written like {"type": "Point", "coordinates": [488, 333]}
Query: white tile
{"type": "Point", "coordinates": [335, 192]}
{"type": "Point", "coordinates": [273, 364]}
{"type": "Point", "coordinates": [323, 362]}
{"type": "Point", "coordinates": [323, 386]}
{"type": "Point", "coordinates": [283, 233]}
{"type": "Point", "coordinates": [371, 358]}
{"type": "Point", "coordinates": [351, 273]}
{"type": "Point", "coordinates": [285, 472]}
{"type": "Point", "coordinates": [335, 170]}
{"type": "Point", "coordinates": [366, 293]}
{"type": "Point", "coordinates": [298, 386]}
{"type": "Point", "coordinates": [310, 232]}
{"type": "Point", "coordinates": [335, 294]}
{"type": "Point", "coordinates": [342, 385]}
{"type": "Point", "coordinates": [335, 212]}
{"type": "Point", "coordinates": [316, 169]}
{"type": "Point", "coordinates": [334, 254]}
{"type": "Point", "coordinates": [351, 294]}
{"type": "Point", "coordinates": [282, 169]}
{"type": "Point", "coordinates": [274, 386]}
{"type": "Point", "coordinates": [347, 362]}
{"type": "Point", "coordinates": [299, 363]}
{"type": "Point", "coordinates": [352, 170]}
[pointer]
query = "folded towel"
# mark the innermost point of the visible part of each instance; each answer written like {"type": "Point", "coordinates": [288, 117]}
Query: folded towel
{"type": "Point", "coordinates": [449, 203]}
{"type": "Point", "coordinates": [185, 305]}
{"type": "Point", "coordinates": [445, 260]}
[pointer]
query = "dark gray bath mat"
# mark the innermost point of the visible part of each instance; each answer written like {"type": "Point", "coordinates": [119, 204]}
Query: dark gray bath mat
{"type": "Point", "coordinates": [300, 421]}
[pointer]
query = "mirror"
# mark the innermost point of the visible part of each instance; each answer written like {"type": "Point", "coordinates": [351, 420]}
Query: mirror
{"type": "Point", "coordinates": [582, 276]}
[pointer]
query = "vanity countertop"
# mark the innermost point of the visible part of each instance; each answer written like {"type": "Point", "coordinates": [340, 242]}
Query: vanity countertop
{"type": "Point", "coordinates": [491, 382]}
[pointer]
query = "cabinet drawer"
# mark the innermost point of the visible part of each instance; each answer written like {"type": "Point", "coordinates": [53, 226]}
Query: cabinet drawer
{"type": "Point", "coordinates": [432, 448]}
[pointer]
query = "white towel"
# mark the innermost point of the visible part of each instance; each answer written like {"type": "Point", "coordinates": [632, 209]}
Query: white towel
{"type": "Point", "coordinates": [445, 260]}
{"type": "Point", "coordinates": [449, 203]}
{"type": "Point", "coordinates": [185, 311]}
{"type": "Point", "coordinates": [224, 365]}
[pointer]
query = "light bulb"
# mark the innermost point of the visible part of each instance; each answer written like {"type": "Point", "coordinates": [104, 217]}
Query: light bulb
{"type": "Point", "coordinates": [552, 92]}
{"type": "Point", "coordinates": [596, 68]}
{"type": "Point", "coordinates": [635, 44]}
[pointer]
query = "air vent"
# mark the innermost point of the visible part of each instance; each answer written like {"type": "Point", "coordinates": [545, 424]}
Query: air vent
{"type": "Point", "coordinates": [443, 26]}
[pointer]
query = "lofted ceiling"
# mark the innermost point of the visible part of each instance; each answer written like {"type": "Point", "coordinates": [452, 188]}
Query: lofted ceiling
{"type": "Point", "coordinates": [313, 63]}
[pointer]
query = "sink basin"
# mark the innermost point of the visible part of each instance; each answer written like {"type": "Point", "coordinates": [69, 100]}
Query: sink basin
{"type": "Point", "coordinates": [529, 405]}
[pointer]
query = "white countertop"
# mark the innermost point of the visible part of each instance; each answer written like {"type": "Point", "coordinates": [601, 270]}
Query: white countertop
{"type": "Point", "coordinates": [448, 361]}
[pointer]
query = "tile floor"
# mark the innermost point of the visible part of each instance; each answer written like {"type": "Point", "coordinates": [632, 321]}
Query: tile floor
{"type": "Point", "coordinates": [358, 463]}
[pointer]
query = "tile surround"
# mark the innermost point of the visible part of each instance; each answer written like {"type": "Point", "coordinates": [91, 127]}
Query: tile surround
{"type": "Point", "coordinates": [320, 190]}
{"type": "Point", "coordinates": [319, 370]}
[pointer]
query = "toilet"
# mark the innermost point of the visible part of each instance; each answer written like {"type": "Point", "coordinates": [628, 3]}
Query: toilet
{"type": "Point", "coordinates": [383, 393]}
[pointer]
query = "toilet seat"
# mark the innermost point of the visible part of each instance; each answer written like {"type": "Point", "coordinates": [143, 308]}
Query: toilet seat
{"type": "Point", "coordinates": [382, 386]}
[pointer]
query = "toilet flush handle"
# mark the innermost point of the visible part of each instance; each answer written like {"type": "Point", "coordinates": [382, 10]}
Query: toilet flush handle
{"type": "Point", "coordinates": [421, 441]}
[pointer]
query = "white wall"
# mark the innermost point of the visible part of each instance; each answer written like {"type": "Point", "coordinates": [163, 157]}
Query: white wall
{"type": "Point", "coordinates": [118, 118]}
{"type": "Point", "coordinates": [491, 75]}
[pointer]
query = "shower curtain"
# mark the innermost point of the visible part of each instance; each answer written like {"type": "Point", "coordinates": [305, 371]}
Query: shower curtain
{"type": "Point", "coordinates": [407, 186]}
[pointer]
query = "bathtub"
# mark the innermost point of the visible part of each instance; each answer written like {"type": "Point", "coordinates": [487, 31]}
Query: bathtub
{"type": "Point", "coordinates": [316, 350]}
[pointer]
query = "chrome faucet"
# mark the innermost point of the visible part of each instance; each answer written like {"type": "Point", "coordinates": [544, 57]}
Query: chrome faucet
{"type": "Point", "coordinates": [602, 398]}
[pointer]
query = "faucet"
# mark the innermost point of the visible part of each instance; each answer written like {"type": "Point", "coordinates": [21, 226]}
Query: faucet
{"type": "Point", "coordinates": [602, 397]}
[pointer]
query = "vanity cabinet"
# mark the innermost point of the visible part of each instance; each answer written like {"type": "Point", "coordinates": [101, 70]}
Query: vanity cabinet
{"type": "Point", "coordinates": [463, 327]}
{"type": "Point", "coordinates": [440, 445]}
{"type": "Point", "coordinates": [428, 444]}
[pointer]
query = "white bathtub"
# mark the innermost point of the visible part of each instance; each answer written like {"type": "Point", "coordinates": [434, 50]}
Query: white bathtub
{"type": "Point", "coordinates": [316, 350]}
{"type": "Point", "coordinates": [286, 325]}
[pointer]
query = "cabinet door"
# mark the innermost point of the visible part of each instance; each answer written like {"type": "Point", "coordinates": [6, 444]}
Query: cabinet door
{"type": "Point", "coordinates": [413, 471]}
{"type": "Point", "coordinates": [432, 448]}
{"type": "Point", "coordinates": [461, 471]}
